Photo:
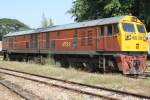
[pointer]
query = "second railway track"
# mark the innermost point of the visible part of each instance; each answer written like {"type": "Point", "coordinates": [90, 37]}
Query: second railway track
{"type": "Point", "coordinates": [97, 91]}
{"type": "Point", "coordinates": [24, 94]}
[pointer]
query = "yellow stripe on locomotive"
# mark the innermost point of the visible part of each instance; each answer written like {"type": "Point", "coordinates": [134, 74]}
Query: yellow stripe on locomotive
{"type": "Point", "coordinates": [133, 35]}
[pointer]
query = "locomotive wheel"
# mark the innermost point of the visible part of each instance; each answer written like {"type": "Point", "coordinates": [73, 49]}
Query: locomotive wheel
{"type": "Point", "coordinates": [77, 65]}
{"type": "Point", "coordinates": [43, 61]}
{"type": "Point", "coordinates": [7, 57]}
{"type": "Point", "coordinates": [64, 64]}
{"type": "Point", "coordinates": [25, 59]}
{"type": "Point", "coordinates": [92, 67]}
{"type": "Point", "coordinates": [80, 65]}
{"type": "Point", "coordinates": [89, 67]}
{"type": "Point", "coordinates": [112, 65]}
{"type": "Point", "coordinates": [20, 59]}
{"type": "Point", "coordinates": [31, 60]}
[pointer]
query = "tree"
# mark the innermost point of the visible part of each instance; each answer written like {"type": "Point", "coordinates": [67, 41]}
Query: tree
{"type": "Point", "coordinates": [94, 9]}
{"type": "Point", "coordinates": [11, 25]}
{"type": "Point", "coordinates": [45, 22]}
{"type": "Point", "coordinates": [50, 22]}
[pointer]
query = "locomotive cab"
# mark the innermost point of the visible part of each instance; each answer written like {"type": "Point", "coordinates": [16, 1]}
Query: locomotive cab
{"type": "Point", "coordinates": [134, 35]}
{"type": "Point", "coordinates": [134, 45]}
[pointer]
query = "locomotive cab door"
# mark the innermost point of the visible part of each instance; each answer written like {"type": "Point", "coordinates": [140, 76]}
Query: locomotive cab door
{"type": "Point", "coordinates": [101, 38]}
{"type": "Point", "coordinates": [108, 38]}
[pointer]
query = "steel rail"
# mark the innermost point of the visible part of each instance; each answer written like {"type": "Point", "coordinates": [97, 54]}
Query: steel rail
{"type": "Point", "coordinates": [24, 94]}
{"type": "Point", "coordinates": [86, 85]}
{"type": "Point", "coordinates": [19, 94]}
{"type": "Point", "coordinates": [63, 87]}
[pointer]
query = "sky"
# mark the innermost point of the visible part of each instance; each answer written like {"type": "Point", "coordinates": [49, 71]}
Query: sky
{"type": "Point", "coordinates": [30, 11]}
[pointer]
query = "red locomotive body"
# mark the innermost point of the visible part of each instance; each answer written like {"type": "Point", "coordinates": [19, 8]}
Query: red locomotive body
{"type": "Point", "coordinates": [75, 40]}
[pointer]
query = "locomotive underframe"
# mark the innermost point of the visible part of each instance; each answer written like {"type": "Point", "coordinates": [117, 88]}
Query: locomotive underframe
{"type": "Point", "coordinates": [125, 62]}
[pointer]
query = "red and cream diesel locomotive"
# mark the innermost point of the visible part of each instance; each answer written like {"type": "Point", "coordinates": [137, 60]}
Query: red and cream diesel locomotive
{"type": "Point", "coordinates": [110, 44]}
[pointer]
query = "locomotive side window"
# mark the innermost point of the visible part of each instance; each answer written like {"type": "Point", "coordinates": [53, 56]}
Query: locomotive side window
{"type": "Point", "coordinates": [11, 42]}
{"type": "Point", "coordinates": [83, 38]}
{"type": "Point", "coordinates": [58, 33]}
{"type": "Point", "coordinates": [115, 27]}
{"type": "Point", "coordinates": [89, 38]}
{"type": "Point", "coordinates": [5, 41]}
{"type": "Point", "coordinates": [101, 31]}
{"type": "Point", "coordinates": [53, 44]}
{"type": "Point", "coordinates": [109, 29]}
{"type": "Point", "coordinates": [128, 27]}
{"type": "Point", "coordinates": [34, 42]}
{"type": "Point", "coordinates": [27, 45]}
{"type": "Point", "coordinates": [75, 40]}
{"type": "Point", "coordinates": [31, 41]}
{"type": "Point", "coordinates": [47, 39]}
{"type": "Point", "coordinates": [14, 44]}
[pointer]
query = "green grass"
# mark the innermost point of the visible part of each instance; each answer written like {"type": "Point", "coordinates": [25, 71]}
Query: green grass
{"type": "Point", "coordinates": [148, 69]}
{"type": "Point", "coordinates": [116, 81]}
{"type": "Point", "coordinates": [148, 63]}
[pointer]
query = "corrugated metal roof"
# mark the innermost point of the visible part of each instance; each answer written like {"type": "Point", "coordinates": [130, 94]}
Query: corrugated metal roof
{"type": "Point", "coordinates": [70, 26]}
{"type": "Point", "coordinates": [19, 33]}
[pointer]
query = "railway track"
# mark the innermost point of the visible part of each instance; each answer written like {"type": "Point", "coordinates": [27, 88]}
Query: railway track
{"type": "Point", "coordinates": [24, 94]}
{"type": "Point", "coordinates": [110, 94]}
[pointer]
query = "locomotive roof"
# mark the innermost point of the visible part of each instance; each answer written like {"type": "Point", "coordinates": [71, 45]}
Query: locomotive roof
{"type": "Point", "coordinates": [97, 22]}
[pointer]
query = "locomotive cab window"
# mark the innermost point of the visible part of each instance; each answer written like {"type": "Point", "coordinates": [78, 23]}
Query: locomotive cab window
{"type": "Point", "coordinates": [141, 28]}
{"type": "Point", "coordinates": [128, 27]}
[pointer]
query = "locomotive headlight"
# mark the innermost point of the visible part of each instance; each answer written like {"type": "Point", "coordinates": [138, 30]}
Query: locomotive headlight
{"type": "Point", "coordinates": [128, 37]}
{"type": "Point", "coordinates": [134, 19]}
{"type": "Point", "coordinates": [145, 38]}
